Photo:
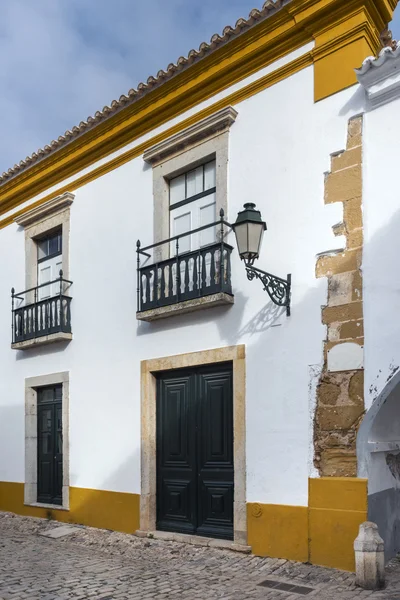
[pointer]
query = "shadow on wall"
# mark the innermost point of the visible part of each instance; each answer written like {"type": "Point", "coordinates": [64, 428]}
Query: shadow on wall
{"type": "Point", "coordinates": [378, 441]}
{"type": "Point", "coordinates": [57, 348]}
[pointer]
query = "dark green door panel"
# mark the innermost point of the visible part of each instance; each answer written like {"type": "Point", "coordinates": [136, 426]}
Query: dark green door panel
{"type": "Point", "coordinates": [49, 420]}
{"type": "Point", "coordinates": [195, 473]}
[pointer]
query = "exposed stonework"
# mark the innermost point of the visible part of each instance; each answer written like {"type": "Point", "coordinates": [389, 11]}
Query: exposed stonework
{"type": "Point", "coordinates": [340, 394]}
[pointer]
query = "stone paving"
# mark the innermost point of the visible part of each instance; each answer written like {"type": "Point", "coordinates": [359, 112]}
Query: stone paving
{"type": "Point", "coordinates": [101, 565]}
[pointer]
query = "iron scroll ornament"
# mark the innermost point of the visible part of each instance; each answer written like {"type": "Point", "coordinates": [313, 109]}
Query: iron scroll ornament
{"type": "Point", "coordinates": [278, 289]}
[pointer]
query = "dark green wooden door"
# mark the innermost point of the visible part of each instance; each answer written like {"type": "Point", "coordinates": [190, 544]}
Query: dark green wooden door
{"type": "Point", "coordinates": [195, 472]}
{"type": "Point", "coordinates": [49, 419]}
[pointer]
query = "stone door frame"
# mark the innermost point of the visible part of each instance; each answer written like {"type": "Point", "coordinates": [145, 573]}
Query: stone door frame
{"type": "Point", "coordinates": [148, 500]}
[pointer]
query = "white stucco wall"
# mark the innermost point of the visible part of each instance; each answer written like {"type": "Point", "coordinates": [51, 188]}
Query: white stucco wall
{"type": "Point", "coordinates": [382, 247]}
{"type": "Point", "coordinates": [279, 150]}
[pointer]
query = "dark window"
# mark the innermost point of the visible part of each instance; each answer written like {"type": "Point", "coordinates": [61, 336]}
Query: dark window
{"type": "Point", "coordinates": [49, 246]}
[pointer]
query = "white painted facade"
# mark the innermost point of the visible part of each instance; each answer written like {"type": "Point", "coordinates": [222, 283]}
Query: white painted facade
{"type": "Point", "coordinates": [279, 150]}
{"type": "Point", "coordinates": [378, 443]}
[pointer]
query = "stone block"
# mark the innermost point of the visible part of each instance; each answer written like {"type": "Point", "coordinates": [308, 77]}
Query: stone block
{"type": "Point", "coordinates": [352, 214]}
{"type": "Point", "coordinates": [328, 393]}
{"type": "Point", "coordinates": [343, 185]}
{"type": "Point", "coordinates": [354, 135]}
{"type": "Point", "coordinates": [352, 329]}
{"type": "Point", "coordinates": [357, 286]}
{"type": "Point", "coordinates": [356, 388]}
{"type": "Point", "coordinates": [347, 158]}
{"type": "Point", "coordinates": [338, 462]}
{"type": "Point", "coordinates": [370, 557]}
{"type": "Point", "coordinates": [59, 532]}
{"type": "Point", "coordinates": [350, 260]}
{"type": "Point", "coordinates": [345, 312]}
{"type": "Point", "coordinates": [340, 289]}
{"type": "Point", "coordinates": [355, 239]}
{"type": "Point", "coordinates": [331, 418]}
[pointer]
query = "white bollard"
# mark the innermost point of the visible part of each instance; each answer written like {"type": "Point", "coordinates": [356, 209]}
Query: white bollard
{"type": "Point", "coordinates": [370, 557]}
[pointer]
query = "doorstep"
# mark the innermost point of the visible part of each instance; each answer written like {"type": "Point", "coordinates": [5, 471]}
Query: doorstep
{"type": "Point", "coordinates": [195, 540]}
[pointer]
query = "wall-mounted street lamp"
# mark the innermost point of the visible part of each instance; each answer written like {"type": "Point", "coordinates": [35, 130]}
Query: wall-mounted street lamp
{"type": "Point", "coordinates": [249, 230]}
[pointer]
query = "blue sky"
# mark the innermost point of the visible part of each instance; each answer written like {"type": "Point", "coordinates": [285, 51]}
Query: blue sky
{"type": "Point", "coordinates": [61, 60]}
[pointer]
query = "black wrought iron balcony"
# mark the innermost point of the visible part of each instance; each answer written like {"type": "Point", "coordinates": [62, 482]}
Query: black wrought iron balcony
{"type": "Point", "coordinates": [185, 276]}
{"type": "Point", "coordinates": [34, 317]}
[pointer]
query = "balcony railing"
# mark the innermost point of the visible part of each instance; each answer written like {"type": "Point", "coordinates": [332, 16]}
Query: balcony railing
{"type": "Point", "coordinates": [183, 276]}
{"type": "Point", "coordinates": [34, 318]}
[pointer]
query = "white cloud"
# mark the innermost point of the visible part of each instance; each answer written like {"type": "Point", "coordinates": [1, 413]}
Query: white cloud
{"type": "Point", "coordinates": [61, 60]}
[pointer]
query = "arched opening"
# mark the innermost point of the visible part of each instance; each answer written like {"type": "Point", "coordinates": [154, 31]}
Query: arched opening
{"type": "Point", "coordinates": [378, 451]}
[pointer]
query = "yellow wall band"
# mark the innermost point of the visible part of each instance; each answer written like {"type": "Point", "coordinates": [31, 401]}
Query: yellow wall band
{"type": "Point", "coordinates": [278, 531]}
{"type": "Point", "coordinates": [94, 508]}
{"type": "Point", "coordinates": [299, 22]}
{"type": "Point", "coordinates": [322, 533]}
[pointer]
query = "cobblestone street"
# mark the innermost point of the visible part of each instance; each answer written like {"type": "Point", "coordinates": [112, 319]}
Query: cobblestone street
{"type": "Point", "coordinates": [102, 565]}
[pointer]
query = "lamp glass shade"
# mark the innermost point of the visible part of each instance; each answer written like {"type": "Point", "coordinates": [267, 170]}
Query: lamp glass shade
{"type": "Point", "coordinates": [249, 230]}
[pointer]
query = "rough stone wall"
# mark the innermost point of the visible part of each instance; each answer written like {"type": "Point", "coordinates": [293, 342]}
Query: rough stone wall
{"type": "Point", "coordinates": [340, 393]}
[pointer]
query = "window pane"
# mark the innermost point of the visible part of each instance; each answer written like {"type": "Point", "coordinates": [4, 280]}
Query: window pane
{"type": "Point", "coordinates": [207, 215]}
{"type": "Point", "coordinates": [181, 225]}
{"type": "Point", "coordinates": [177, 189]}
{"type": "Point", "coordinates": [46, 395]}
{"type": "Point", "coordinates": [46, 421]}
{"type": "Point", "coordinates": [43, 249]}
{"type": "Point", "coordinates": [55, 244]}
{"type": "Point", "coordinates": [209, 175]}
{"type": "Point", "coordinates": [194, 182]}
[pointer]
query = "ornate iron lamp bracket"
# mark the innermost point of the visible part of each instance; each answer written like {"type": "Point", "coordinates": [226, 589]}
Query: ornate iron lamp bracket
{"type": "Point", "coordinates": [278, 289]}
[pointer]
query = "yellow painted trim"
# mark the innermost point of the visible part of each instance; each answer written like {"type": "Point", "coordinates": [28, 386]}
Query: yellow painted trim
{"type": "Point", "coordinates": [278, 531]}
{"type": "Point", "coordinates": [341, 48]}
{"type": "Point", "coordinates": [294, 25]}
{"type": "Point", "coordinates": [235, 98]}
{"type": "Point", "coordinates": [95, 508]}
{"type": "Point", "coordinates": [322, 533]}
{"type": "Point", "coordinates": [339, 493]}
{"type": "Point", "coordinates": [337, 507]}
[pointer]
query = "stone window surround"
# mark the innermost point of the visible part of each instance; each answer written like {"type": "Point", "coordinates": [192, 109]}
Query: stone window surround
{"type": "Point", "coordinates": [41, 220]}
{"type": "Point", "coordinates": [31, 440]}
{"type": "Point", "coordinates": [148, 503]}
{"type": "Point", "coordinates": [194, 146]}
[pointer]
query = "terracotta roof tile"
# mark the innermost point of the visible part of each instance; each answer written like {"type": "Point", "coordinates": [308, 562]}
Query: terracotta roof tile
{"type": "Point", "coordinates": [269, 7]}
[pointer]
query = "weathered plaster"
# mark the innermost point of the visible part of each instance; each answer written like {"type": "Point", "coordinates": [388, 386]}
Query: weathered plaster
{"type": "Point", "coordinates": [340, 395]}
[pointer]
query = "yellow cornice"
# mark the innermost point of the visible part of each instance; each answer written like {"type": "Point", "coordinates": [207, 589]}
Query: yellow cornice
{"type": "Point", "coordinates": [299, 22]}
